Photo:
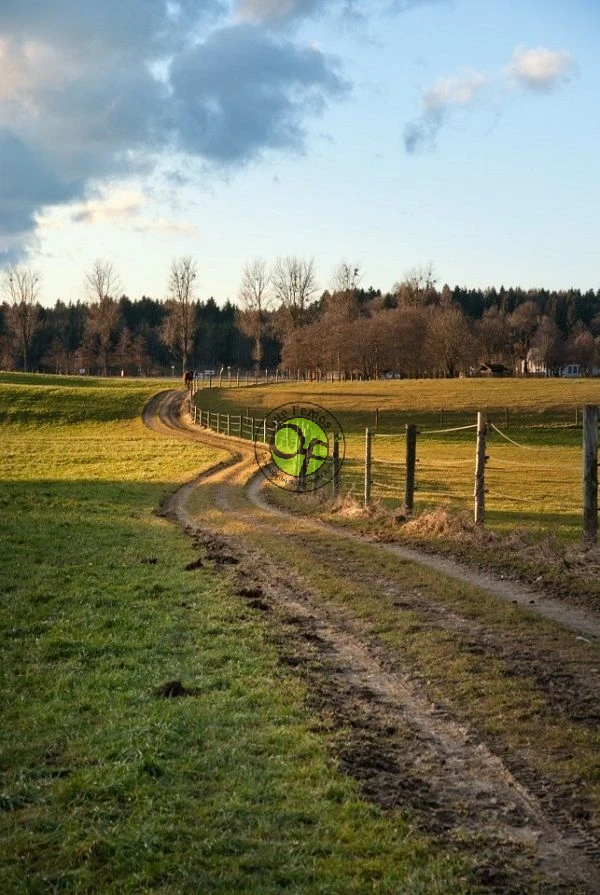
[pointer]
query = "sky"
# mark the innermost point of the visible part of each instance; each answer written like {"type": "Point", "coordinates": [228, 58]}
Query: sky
{"type": "Point", "coordinates": [389, 133]}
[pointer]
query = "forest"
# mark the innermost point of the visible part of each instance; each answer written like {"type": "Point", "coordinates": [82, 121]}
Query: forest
{"type": "Point", "coordinates": [282, 321]}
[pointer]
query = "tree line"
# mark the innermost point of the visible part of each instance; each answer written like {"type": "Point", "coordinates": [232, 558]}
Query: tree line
{"type": "Point", "coordinates": [282, 320]}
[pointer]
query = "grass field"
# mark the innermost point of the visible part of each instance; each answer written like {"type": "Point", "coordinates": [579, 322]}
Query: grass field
{"type": "Point", "coordinates": [107, 786]}
{"type": "Point", "coordinates": [534, 484]}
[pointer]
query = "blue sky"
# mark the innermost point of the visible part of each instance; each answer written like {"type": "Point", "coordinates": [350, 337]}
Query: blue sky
{"type": "Point", "coordinates": [393, 133]}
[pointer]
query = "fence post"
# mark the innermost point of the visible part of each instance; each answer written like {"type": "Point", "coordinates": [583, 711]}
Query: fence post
{"type": "Point", "coordinates": [336, 467]}
{"type": "Point", "coordinates": [265, 430]}
{"type": "Point", "coordinates": [590, 473]}
{"type": "Point", "coordinates": [411, 460]}
{"type": "Point", "coordinates": [218, 423]}
{"type": "Point", "coordinates": [229, 424]}
{"type": "Point", "coordinates": [480, 468]}
{"type": "Point", "coordinates": [252, 428]}
{"type": "Point", "coordinates": [376, 418]}
{"type": "Point", "coordinates": [367, 467]}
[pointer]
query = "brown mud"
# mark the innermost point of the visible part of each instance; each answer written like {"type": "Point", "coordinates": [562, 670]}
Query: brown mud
{"type": "Point", "coordinates": [408, 753]}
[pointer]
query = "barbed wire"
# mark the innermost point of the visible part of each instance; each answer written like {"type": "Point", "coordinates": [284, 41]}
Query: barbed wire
{"type": "Point", "coordinates": [386, 487]}
{"type": "Point", "coordinates": [386, 435]}
{"type": "Point", "coordinates": [526, 447]}
{"type": "Point", "coordinates": [442, 431]}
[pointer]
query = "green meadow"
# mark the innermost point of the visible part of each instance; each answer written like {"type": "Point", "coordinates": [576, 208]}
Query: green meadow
{"type": "Point", "coordinates": [108, 783]}
{"type": "Point", "coordinates": [533, 480]}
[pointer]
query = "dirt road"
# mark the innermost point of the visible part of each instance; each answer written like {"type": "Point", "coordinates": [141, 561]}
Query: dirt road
{"type": "Point", "coordinates": [411, 745]}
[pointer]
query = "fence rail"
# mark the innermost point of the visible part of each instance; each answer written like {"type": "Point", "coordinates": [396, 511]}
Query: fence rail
{"type": "Point", "coordinates": [234, 425]}
{"type": "Point", "coordinates": [405, 480]}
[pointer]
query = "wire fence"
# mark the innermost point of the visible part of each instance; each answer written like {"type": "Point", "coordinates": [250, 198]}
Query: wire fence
{"type": "Point", "coordinates": [456, 464]}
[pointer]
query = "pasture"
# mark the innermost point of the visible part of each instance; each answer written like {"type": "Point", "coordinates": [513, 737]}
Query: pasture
{"type": "Point", "coordinates": [109, 783]}
{"type": "Point", "coordinates": [533, 484]}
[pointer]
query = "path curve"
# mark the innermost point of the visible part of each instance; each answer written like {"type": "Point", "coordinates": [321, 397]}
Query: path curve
{"type": "Point", "coordinates": [449, 763]}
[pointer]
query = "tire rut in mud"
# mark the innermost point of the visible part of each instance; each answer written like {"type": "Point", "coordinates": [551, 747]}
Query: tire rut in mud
{"type": "Point", "coordinates": [406, 755]}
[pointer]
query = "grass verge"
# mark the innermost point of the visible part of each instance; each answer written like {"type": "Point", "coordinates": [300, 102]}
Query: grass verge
{"type": "Point", "coordinates": [150, 740]}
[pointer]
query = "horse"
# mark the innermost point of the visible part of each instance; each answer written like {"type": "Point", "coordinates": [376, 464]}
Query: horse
{"type": "Point", "coordinates": [188, 378]}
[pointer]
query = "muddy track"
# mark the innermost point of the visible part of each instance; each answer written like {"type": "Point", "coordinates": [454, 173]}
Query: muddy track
{"type": "Point", "coordinates": [406, 752]}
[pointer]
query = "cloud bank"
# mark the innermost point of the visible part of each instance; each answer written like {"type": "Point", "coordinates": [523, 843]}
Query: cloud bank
{"type": "Point", "coordinates": [93, 91]}
{"type": "Point", "coordinates": [279, 13]}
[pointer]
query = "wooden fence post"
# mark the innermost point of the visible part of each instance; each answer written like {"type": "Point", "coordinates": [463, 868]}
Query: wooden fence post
{"type": "Point", "coordinates": [376, 418]}
{"type": "Point", "coordinates": [252, 428]}
{"type": "Point", "coordinates": [228, 424]}
{"type": "Point", "coordinates": [590, 473]}
{"type": "Point", "coordinates": [336, 467]}
{"type": "Point", "coordinates": [265, 430]}
{"type": "Point", "coordinates": [411, 460]}
{"type": "Point", "coordinates": [480, 468]}
{"type": "Point", "coordinates": [368, 439]}
{"type": "Point", "coordinates": [218, 423]}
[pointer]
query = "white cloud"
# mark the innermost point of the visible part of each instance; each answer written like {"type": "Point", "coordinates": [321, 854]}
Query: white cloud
{"type": "Point", "coordinates": [166, 225]}
{"type": "Point", "coordinates": [540, 68]}
{"type": "Point", "coordinates": [454, 91]}
{"type": "Point", "coordinates": [121, 206]}
{"type": "Point", "coordinates": [115, 205]}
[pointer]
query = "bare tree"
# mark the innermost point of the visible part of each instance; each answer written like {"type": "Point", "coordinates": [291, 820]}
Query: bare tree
{"type": "Point", "coordinates": [178, 331]}
{"type": "Point", "coordinates": [582, 348]}
{"type": "Point", "coordinates": [449, 342]}
{"type": "Point", "coordinates": [255, 299]}
{"type": "Point", "coordinates": [123, 353]}
{"type": "Point", "coordinates": [22, 314]}
{"type": "Point", "coordinates": [346, 277]}
{"type": "Point", "coordinates": [493, 336]}
{"type": "Point", "coordinates": [102, 285]}
{"type": "Point", "coordinates": [523, 323]}
{"type": "Point", "coordinates": [547, 346]}
{"type": "Point", "coordinates": [294, 284]}
{"type": "Point", "coordinates": [417, 288]}
{"type": "Point", "coordinates": [102, 281]}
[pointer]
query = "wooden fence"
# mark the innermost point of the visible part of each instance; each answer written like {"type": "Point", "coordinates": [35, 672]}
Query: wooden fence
{"type": "Point", "coordinates": [235, 425]}
{"type": "Point", "coordinates": [589, 418]}
{"type": "Point", "coordinates": [259, 429]}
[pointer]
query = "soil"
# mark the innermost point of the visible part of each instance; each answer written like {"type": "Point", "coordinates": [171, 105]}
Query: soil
{"type": "Point", "coordinates": [407, 753]}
